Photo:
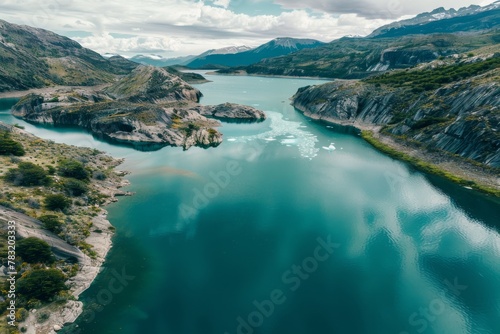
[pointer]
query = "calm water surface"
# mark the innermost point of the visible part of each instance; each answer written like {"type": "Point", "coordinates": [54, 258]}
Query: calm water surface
{"type": "Point", "coordinates": [275, 231]}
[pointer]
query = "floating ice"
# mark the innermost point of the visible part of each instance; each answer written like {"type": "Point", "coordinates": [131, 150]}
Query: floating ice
{"type": "Point", "coordinates": [296, 136]}
{"type": "Point", "coordinates": [330, 148]}
{"type": "Point", "coordinates": [232, 139]}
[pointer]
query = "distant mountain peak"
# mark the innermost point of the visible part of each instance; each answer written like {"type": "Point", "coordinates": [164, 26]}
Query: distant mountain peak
{"type": "Point", "coordinates": [439, 14]}
{"type": "Point", "coordinates": [277, 47]}
{"type": "Point", "coordinates": [226, 50]}
{"type": "Point", "coordinates": [35, 58]}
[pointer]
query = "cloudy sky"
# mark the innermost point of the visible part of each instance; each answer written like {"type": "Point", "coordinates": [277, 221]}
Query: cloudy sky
{"type": "Point", "coordinates": [181, 27]}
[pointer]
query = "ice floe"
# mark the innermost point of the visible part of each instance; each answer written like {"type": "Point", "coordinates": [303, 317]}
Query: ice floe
{"type": "Point", "coordinates": [291, 132]}
{"type": "Point", "coordinates": [330, 148]}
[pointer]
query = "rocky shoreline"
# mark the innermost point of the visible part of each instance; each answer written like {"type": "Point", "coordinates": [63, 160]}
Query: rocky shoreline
{"type": "Point", "coordinates": [148, 109]}
{"type": "Point", "coordinates": [99, 236]}
{"type": "Point", "coordinates": [456, 166]}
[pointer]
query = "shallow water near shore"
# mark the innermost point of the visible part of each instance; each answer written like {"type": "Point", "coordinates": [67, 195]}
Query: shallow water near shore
{"type": "Point", "coordinates": [290, 226]}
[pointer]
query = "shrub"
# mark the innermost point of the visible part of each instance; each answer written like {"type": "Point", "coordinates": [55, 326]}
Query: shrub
{"type": "Point", "coordinates": [41, 284]}
{"type": "Point", "coordinates": [27, 174]}
{"type": "Point", "coordinates": [425, 122]}
{"type": "Point", "coordinates": [22, 314]}
{"type": "Point", "coordinates": [98, 175]}
{"type": "Point", "coordinates": [34, 250]}
{"type": "Point", "coordinates": [33, 203]}
{"type": "Point", "coordinates": [74, 169]}
{"type": "Point", "coordinates": [51, 223]}
{"type": "Point", "coordinates": [41, 317]}
{"type": "Point", "coordinates": [8, 146]}
{"type": "Point", "coordinates": [51, 170]}
{"type": "Point", "coordinates": [57, 202]}
{"type": "Point", "coordinates": [74, 187]}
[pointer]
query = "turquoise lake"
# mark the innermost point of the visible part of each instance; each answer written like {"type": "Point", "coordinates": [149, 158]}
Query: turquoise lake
{"type": "Point", "coordinates": [275, 231]}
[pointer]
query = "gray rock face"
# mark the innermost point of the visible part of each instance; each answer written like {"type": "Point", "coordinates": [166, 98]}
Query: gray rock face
{"type": "Point", "coordinates": [30, 227]}
{"type": "Point", "coordinates": [462, 118]}
{"type": "Point", "coordinates": [145, 127]}
{"type": "Point", "coordinates": [232, 111]}
{"type": "Point", "coordinates": [148, 109]}
{"type": "Point", "coordinates": [153, 85]}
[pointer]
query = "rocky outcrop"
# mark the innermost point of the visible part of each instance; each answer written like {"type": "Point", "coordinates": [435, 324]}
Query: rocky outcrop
{"type": "Point", "coordinates": [153, 85]}
{"type": "Point", "coordinates": [143, 126]}
{"type": "Point", "coordinates": [345, 101]}
{"type": "Point", "coordinates": [232, 111]}
{"type": "Point", "coordinates": [395, 58]}
{"type": "Point", "coordinates": [148, 109]}
{"type": "Point", "coordinates": [31, 227]}
{"type": "Point", "coordinates": [461, 118]}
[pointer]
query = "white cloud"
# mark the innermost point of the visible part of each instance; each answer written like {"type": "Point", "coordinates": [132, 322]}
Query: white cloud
{"type": "Point", "coordinates": [193, 26]}
{"type": "Point", "coordinates": [222, 3]}
{"type": "Point", "coordinates": [106, 43]}
{"type": "Point", "coordinates": [387, 9]}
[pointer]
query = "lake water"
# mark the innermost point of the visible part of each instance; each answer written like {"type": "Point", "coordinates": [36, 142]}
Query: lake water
{"type": "Point", "coordinates": [275, 231]}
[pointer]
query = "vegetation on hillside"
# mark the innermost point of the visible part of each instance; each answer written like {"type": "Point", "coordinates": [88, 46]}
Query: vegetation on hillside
{"type": "Point", "coordinates": [41, 285]}
{"type": "Point", "coordinates": [33, 58]}
{"type": "Point", "coordinates": [34, 250]}
{"type": "Point", "coordinates": [8, 146]}
{"type": "Point", "coordinates": [27, 174]}
{"type": "Point", "coordinates": [58, 185]}
{"type": "Point", "coordinates": [354, 58]}
{"type": "Point", "coordinates": [426, 79]}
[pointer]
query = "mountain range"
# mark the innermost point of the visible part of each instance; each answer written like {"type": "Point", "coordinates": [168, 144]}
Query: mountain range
{"type": "Point", "coordinates": [276, 47]}
{"type": "Point", "coordinates": [33, 58]}
{"type": "Point", "coordinates": [159, 61]}
{"type": "Point", "coordinates": [441, 20]}
{"type": "Point", "coordinates": [399, 45]}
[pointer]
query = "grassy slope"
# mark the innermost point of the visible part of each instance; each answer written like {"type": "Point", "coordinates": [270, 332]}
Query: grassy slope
{"type": "Point", "coordinates": [34, 58]}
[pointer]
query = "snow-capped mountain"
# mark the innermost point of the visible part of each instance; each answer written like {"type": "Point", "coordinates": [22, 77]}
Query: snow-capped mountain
{"type": "Point", "coordinates": [157, 60]}
{"type": "Point", "coordinates": [277, 47]}
{"type": "Point", "coordinates": [489, 13]}
{"type": "Point", "coordinates": [226, 50]}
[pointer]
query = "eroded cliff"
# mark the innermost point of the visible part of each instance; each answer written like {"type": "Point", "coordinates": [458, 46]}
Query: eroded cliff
{"type": "Point", "coordinates": [452, 107]}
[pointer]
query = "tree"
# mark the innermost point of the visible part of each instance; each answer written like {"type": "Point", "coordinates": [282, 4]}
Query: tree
{"type": "Point", "coordinates": [74, 169]}
{"type": "Point", "coordinates": [27, 174]}
{"type": "Point", "coordinates": [34, 250]}
{"type": "Point", "coordinates": [41, 284]}
{"type": "Point", "coordinates": [51, 223]}
{"type": "Point", "coordinates": [74, 187]}
{"type": "Point", "coordinates": [8, 146]}
{"type": "Point", "coordinates": [57, 202]}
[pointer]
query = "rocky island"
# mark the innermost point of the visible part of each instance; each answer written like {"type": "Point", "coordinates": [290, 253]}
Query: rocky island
{"type": "Point", "coordinates": [147, 109]}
